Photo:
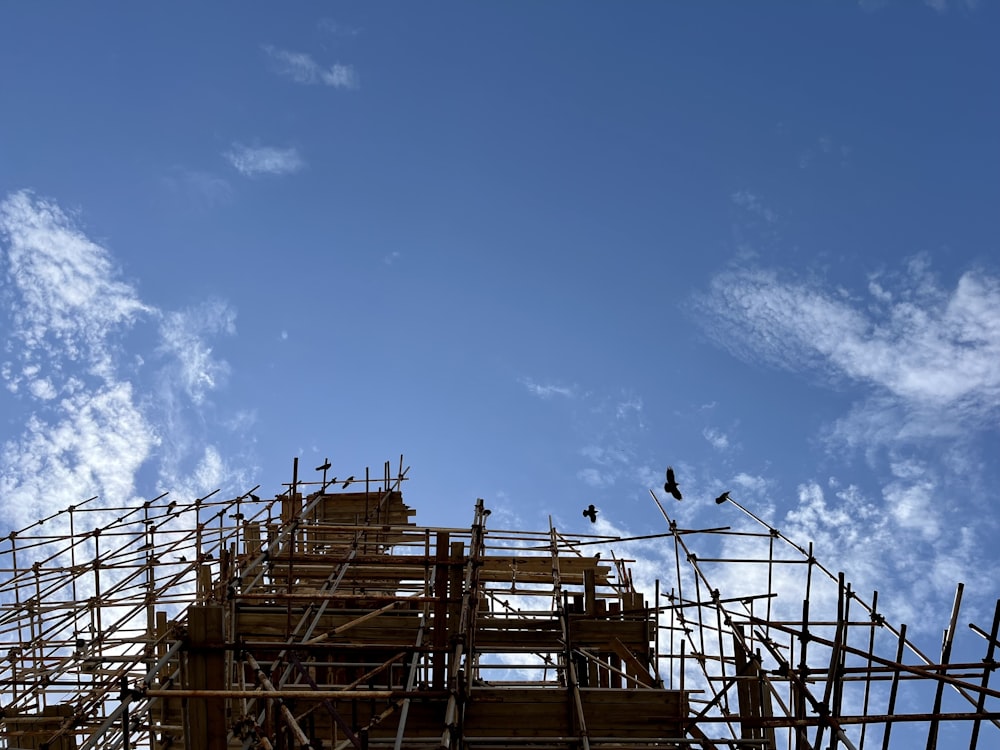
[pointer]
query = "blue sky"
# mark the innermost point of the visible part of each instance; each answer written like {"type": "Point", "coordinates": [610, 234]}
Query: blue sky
{"type": "Point", "coordinates": [542, 250]}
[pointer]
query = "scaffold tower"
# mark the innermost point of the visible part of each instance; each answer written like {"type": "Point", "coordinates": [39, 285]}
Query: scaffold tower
{"type": "Point", "coordinates": [326, 617]}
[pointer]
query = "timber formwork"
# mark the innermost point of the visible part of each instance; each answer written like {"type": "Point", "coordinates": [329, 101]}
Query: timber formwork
{"type": "Point", "coordinates": [325, 617]}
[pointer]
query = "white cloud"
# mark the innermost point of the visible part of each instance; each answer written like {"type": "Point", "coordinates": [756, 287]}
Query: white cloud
{"type": "Point", "coordinates": [750, 483]}
{"type": "Point", "coordinates": [716, 438]}
{"type": "Point", "coordinates": [251, 161]}
{"type": "Point", "coordinates": [339, 76]}
{"type": "Point", "coordinates": [926, 361]}
{"type": "Point", "coordinates": [927, 347]}
{"type": "Point", "coordinates": [184, 336]}
{"type": "Point", "coordinates": [547, 390]}
{"type": "Point", "coordinates": [753, 203]}
{"type": "Point", "coordinates": [302, 68]}
{"type": "Point", "coordinates": [630, 406]}
{"type": "Point", "coordinates": [70, 300]}
{"type": "Point", "coordinates": [42, 388]}
{"type": "Point", "coordinates": [93, 444]}
{"type": "Point", "coordinates": [65, 310]}
{"type": "Point", "coordinates": [208, 471]}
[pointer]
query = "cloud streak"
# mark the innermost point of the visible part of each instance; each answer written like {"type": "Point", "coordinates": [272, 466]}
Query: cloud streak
{"type": "Point", "coordinates": [548, 390]}
{"type": "Point", "coordinates": [303, 69]}
{"type": "Point", "coordinates": [185, 335]}
{"type": "Point", "coordinates": [251, 161]}
{"type": "Point", "coordinates": [927, 347]}
{"type": "Point", "coordinates": [753, 203]}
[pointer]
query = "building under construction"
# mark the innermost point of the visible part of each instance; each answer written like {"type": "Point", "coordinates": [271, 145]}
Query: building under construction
{"type": "Point", "coordinates": [326, 617]}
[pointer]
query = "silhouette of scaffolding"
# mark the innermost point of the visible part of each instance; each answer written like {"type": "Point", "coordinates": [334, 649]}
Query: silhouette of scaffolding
{"type": "Point", "coordinates": [324, 617]}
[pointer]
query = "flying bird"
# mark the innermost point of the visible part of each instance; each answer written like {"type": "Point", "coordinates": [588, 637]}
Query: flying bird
{"type": "Point", "coordinates": [722, 498]}
{"type": "Point", "coordinates": [671, 487]}
{"type": "Point", "coordinates": [325, 466]}
{"type": "Point", "coordinates": [347, 482]}
{"type": "Point", "coordinates": [591, 512]}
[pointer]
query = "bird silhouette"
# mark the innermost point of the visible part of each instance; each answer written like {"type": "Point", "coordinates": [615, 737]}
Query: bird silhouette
{"type": "Point", "coordinates": [671, 487]}
{"type": "Point", "coordinates": [347, 482]}
{"type": "Point", "coordinates": [254, 498]}
{"type": "Point", "coordinates": [325, 466]}
{"type": "Point", "coordinates": [722, 498]}
{"type": "Point", "coordinates": [591, 512]}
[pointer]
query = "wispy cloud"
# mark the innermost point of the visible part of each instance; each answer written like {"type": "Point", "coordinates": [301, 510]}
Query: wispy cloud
{"type": "Point", "coordinates": [924, 361]}
{"type": "Point", "coordinates": [302, 68]}
{"type": "Point", "coordinates": [896, 538]}
{"type": "Point", "coordinates": [941, 6]}
{"type": "Point", "coordinates": [548, 390]}
{"type": "Point", "coordinates": [929, 347]}
{"type": "Point", "coordinates": [716, 438]}
{"type": "Point", "coordinates": [595, 478]}
{"type": "Point", "coordinates": [184, 336]}
{"type": "Point", "coordinates": [204, 188]}
{"type": "Point", "coordinates": [608, 426]}
{"type": "Point", "coordinates": [67, 308]}
{"type": "Point", "coordinates": [65, 311]}
{"type": "Point", "coordinates": [754, 204]}
{"type": "Point", "coordinates": [257, 160]}
{"type": "Point", "coordinates": [70, 300]}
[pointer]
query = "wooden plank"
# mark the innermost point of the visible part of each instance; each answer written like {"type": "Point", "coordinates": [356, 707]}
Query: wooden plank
{"type": "Point", "coordinates": [541, 713]}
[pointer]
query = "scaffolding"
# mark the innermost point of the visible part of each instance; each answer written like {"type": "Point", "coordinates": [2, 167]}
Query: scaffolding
{"type": "Point", "coordinates": [325, 617]}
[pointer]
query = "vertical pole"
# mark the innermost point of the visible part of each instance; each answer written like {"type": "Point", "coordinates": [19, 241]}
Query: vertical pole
{"type": "Point", "coordinates": [656, 630]}
{"type": "Point", "coordinates": [868, 675]}
{"type": "Point", "coordinates": [949, 638]}
{"type": "Point", "coordinates": [440, 639]}
{"type": "Point", "coordinates": [206, 667]}
{"type": "Point", "coordinates": [891, 708]}
{"type": "Point", "coordinates": [987, 668]}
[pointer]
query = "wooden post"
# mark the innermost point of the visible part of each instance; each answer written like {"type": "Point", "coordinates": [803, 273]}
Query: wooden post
{"type": "Point", "coordinates": [206, 671]}
{"type": "Point", "coordinates": [440, 622]}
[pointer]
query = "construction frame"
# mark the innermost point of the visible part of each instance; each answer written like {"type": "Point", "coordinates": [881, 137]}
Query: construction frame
{"type": "Point", "coordinates": [325, 617]}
